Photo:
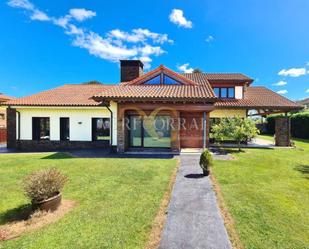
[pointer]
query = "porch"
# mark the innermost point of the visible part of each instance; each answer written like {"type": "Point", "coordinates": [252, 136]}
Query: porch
{"type": "Point", "coordinates": [162, 127]}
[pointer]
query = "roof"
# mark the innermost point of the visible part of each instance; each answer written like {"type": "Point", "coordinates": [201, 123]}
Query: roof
{"type": "Point", "coordinates": [228, 77]}
{"type": "Point", "coordinates": [303, 102]}
{"type": "Point", "coordinates": [135, 89]}
{"type": "Point", "coordinates": [195, 87]}
{"type": "Point", "coordinates": [4, 98]}
{"type": "Point", "coordinates": [155, 72]}
{"type": "Point", "coordinates": [67, 95]}
{"type": "Point", "coordinates": [259, 97]}
{"type": "Point", "coordinates": [164, 92]}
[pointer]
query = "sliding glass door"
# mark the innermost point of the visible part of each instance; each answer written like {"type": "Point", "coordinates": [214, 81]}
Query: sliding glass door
{"type": "Point", "coordinates": [135, 131]}
{"type": "Point", "coordinates": [150, 132]}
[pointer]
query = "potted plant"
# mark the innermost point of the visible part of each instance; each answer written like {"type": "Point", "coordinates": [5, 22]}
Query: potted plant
{"type": "Point", "coordinates": [43, 188]}
{"type": "Point", "coordinates": [206, 161]}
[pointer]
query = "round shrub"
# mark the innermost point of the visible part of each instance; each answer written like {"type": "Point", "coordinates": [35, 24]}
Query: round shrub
{"type": "Point", "coordinates": [206, 161]}
{"type": "Point", "coordinates": [43, 184]}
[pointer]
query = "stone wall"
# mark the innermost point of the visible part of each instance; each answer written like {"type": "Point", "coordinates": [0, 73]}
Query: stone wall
{"type": "Point", "coordinates": [283, 134]}
{"type": "Point", "coordinates": [47, 145]}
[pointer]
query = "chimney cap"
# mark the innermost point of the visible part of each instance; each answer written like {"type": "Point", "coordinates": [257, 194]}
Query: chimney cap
{"type": "Point", "coordinates": [131, 63]}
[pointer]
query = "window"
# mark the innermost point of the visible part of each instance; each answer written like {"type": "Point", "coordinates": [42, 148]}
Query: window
{"type": "Point", "coordinates": [154, 81]}
{"type": "Point", "coordinates": [231, 92]}
{"type": "Point", "coordinates": [169, 81]}
{"type": "Point", "coordinates": [217, 91]}
{"type": "Point", "coordinates": [40, 129]}
{"type": "Point", "coordinates": [224, 92]}
{"type": "Point", "coordinates": [100, 129]}
{"type": "Point", "coordinates": [64, 129]}
{"type": "Point", "coordinates": [162, 79]}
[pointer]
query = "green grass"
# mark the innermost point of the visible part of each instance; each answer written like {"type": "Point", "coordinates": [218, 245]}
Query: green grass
{"type": "Point", "coordinates": [267, 194]}
{"type": "Point", "coordinates": [117, 199]}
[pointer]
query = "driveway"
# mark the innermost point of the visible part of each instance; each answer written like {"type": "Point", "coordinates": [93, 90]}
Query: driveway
{"type": "Point", "coordinates": [194, 219]}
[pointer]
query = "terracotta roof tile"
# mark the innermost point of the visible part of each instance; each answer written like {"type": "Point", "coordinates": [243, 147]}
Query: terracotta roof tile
{"type": "Point", "coordinates": [259, 97]}
{"type": "Point", "coordinates": [201, 77]}
{"type": "Point", "coordinates": [4, 98]}
{"type": "Point", "coordinates": [157, 92]}
{"type": "Point", "coordinates": [67, 95]}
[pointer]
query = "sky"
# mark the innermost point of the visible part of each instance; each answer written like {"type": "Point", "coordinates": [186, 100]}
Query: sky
{"type": "Point", "coordinates": [45, 44]}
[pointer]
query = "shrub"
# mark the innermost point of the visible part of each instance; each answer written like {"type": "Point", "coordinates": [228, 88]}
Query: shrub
{"type": "Point", "coordinates": [299, 124]}
{"type": "Point", "coordinates": [43, 184]}
{"type": "Point", "coordinates": [206, 161]}
{"type": "Point", "coordinates": [235, 129]}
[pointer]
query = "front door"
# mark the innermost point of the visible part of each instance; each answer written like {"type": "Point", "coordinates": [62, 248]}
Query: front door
{"type": "Point", "coordinates": [191, 130]}
{"type": "Point", "coordinates": [149, 132]}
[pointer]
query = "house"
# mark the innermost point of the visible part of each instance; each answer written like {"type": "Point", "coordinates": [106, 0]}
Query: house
{"type": "Point", "coordinates": [3, 99]}
{"type": "Point", "coordinates": [304, 102]}
{"type": "Point", "coordinates": [160, 109]}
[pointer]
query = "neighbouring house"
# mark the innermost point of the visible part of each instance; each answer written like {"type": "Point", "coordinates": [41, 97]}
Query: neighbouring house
{"type": "Point", "coordinates": [304, 102]}
{"type": "Point", "coordinates": [3, 99]}
{"type": "Point", "coordinates": [160, 109]}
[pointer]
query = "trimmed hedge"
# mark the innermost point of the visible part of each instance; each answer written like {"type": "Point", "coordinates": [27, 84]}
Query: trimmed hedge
{"type": "Point", "coordinates": [299, 124]}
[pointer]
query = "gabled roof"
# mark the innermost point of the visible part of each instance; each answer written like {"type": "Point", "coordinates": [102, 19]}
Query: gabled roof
{"type": "Point", "coordinates": [259, 97]}
{"type": "Point", "coordinates": [158, 92]}
{"type": "Point", "coordinates": [161, 69]}
{"type": "Point", "coordinates": [4, 98]}
{"type": "Point", "coordinates": [136, 90]}
{"type": "Point", "coordinates": [67, 95]}
{"type": "Point", "coordinates": [218, 77]}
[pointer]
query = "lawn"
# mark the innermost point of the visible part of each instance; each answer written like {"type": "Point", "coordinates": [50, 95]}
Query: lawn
{"type": "Point", "coordinates": [117, 199]}
{"type": "Point", "coordinates": [267, 194]}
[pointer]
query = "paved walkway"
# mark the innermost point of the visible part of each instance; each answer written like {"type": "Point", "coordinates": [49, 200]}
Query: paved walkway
{"type": "Point", "coordinates": [194, 219]}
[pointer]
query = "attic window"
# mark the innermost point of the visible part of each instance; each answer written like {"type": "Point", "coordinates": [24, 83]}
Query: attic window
{"type": "Point", "coordinates": [162, 79]}
{"type": "Point", "coordinates": [154, 81]}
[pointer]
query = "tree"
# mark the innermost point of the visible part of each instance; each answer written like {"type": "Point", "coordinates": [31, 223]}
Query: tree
{"type": "Point", "coordinates": [236, 129]}
{"type": "Point", "coordinates": [244, 130]}
{"type": "Point", "coordinates": [197, 70]}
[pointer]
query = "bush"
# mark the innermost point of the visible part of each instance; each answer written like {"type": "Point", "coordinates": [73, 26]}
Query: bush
{"type": "Point", "coordinates": [43, 184]}
{"type": "Point", "coordinates": [235, 129]}
{"type": "Point", "coordinates": [299, 124]}
{"type": "Point", "coordinates": [206, 161]}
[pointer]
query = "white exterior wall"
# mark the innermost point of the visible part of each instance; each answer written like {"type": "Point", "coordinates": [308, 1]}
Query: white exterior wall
{"type": "Point", "coordinates": [239, 92]}
{"type": "Point", "coordinates": [80, 121]}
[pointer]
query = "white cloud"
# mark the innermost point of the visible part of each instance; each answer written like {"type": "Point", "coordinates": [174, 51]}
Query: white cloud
{"type": "Point", "coordinates": [293, 72]}
{"type": "Point", "coordinates": [210, 38]}
{"type": "Point", "coordinates": [307, 91]}
{"type": "Point", "coordinates": [178, 18]}
{"type": "Point", "coordinates": [73, 30]}
{"type": "Point", "coordinates": [117, 44]}
{"type": "Point", "coordinates": [282, 91]}
{"type": "Point", "coordinates": [185, 68]}
{"type": "Point", "coordinates": [39, 16]}
{"type": "Point", "coordinates": [280, 83]}
{"type": "Point", "coordinates": [36, 14]}
{"type": "Point", "coordinates": [82, 14]}
{"type": "Point", "coordinates": [139, 35]}
{"type": "Point", "coordinates": [22, 4]}
{"type": "Point", "coordinates": [62, 21]}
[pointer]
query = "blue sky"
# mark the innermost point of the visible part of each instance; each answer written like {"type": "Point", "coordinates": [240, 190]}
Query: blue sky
{"type": "Point", "coordinates": [44, 44]}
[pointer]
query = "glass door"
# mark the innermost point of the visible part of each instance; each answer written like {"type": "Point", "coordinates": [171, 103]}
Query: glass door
{"type": "Point", "coordinates": [136, 131]}
{"type": "Point", "coordinates": [157, 132]}
{"type": "Point", "coordinates": [150, 132]}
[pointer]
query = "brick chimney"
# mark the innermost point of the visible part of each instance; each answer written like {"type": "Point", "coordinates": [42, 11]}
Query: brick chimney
{"type": "Point", "coordinates": [130, 70]}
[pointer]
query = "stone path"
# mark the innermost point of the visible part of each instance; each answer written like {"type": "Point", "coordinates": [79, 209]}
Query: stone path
{"type": "Point", "coordinates": [194, 219]}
